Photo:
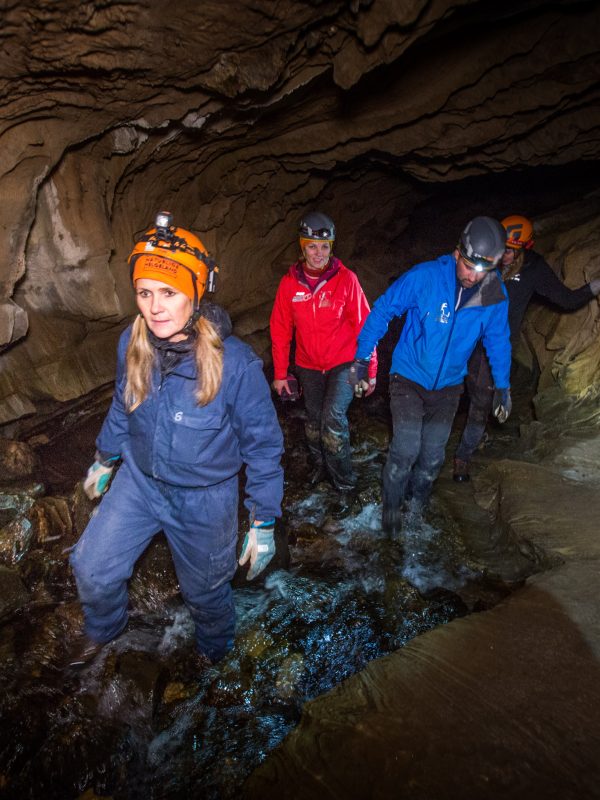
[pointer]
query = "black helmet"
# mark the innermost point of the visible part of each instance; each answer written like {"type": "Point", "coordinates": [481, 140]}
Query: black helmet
{"type": "Point", "coordinates": [482, 243]}
{"type": "Point", "coordinates": [316, 225]}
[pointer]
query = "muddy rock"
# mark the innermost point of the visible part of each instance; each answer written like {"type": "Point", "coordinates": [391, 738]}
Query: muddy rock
{"type": "Point", "coordinates": [13, 594]}
{"type": "Point", "coordinates": [17, 460]}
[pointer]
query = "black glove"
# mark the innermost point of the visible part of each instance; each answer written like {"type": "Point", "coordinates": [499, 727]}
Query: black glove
{"type": "Point", "coordinates": [358, 376]}
{"type": "Point", "coordinates": [501, 404]}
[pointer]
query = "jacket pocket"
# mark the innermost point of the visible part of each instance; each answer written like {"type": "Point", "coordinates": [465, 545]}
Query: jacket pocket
{"type": "Point", "coordinates": [193, 437]}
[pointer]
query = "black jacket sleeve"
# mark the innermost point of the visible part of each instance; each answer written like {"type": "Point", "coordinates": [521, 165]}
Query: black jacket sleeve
{"type": "Point", "coordinates": [549, 286]}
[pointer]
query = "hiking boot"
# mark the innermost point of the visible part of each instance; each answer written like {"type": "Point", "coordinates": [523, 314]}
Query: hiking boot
{"type": "Point", "coordinates": [461, 471]}
{"type": "Point", "coordinates": [83, 652]}
{"type": "Point", "coordinates": [391, 522]}
{"type": "Point", "coordinates": [347, 502]}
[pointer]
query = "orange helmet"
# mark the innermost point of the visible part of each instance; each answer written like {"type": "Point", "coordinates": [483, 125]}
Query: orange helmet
{"type": "Point", "coordinates": [174, 256]}
{"type": "Point", "coordinates": [519, 232]}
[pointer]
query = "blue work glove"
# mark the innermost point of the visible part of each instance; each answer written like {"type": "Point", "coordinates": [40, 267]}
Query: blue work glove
{"type": "Point", "coordinates": [501, 404]}
{"type": "Point", "coordinates": [259, 547]}
{"type": "Point", "coordinates": [358, 376]}
{"type": "Point", "coordinates": [98, 476]}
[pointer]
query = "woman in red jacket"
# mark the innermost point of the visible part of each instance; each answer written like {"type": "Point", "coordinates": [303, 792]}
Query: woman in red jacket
{"type": "Point", "coordinates": [322, 302]}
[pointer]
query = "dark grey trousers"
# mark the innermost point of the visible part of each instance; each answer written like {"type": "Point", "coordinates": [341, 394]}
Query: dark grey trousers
{"type": "Point", "coordinates": [422, 421]}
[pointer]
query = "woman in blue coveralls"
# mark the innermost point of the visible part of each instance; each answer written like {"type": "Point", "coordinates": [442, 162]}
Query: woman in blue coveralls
{"type": "Point", "coordinates": [191, 407]}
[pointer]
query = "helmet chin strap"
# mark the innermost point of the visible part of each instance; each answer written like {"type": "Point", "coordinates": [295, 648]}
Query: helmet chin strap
{"type": "Point", "coordinates": [190, 324]}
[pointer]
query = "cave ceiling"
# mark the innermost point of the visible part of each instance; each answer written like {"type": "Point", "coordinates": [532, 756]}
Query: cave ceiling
{"type": "Point", "coordinates": [238, 116]}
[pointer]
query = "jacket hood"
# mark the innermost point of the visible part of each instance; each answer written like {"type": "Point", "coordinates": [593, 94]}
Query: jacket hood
{"type": "Point", "coordinates": [218, 317]}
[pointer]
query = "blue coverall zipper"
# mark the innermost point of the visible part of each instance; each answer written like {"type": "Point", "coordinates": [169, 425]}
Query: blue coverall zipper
{"type": "Point", "coordinates": [437, 377]}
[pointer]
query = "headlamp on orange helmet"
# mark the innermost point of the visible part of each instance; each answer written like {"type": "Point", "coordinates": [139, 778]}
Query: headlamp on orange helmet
{"type": "Point", "coordinates": [519, 232]}
{"type": "Point", "coordinates": [174, 256]}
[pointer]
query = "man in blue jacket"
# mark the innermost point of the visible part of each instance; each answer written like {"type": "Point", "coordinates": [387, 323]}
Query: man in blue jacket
{"type": "Point", "coordinates": [450, 304]}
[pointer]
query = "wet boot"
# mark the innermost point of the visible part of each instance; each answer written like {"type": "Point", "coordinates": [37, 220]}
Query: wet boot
{"type": "Point", "coordinates": [347, 502]}
{"type": "Point", "coordinates": [391, 522]}
{"type": "Point", "coordinates": [461, 471]}
{"type": "Point", "coordinates": [83, 652]}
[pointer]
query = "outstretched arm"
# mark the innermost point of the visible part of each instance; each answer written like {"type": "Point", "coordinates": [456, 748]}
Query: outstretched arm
{"type": "Point", "coordinates": [553, 289]}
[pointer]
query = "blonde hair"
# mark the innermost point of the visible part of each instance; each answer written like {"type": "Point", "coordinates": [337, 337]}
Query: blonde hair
{"type": "Point", "coordinates": [514, 268]}
{"type": "Point", "coordinates": [140, 360]}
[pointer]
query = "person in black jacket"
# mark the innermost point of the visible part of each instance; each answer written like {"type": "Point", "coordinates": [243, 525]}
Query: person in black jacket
{"type": "Point", "coordinates": [524, 273]}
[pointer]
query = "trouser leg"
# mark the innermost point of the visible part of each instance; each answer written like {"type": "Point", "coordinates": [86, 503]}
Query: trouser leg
{"type": "Point", "coordinates": [480, 389]}
{"type": "Point", "coordinates": [440, 409]}
{"type": "Point", "coordinates": [335, 432]}
{"type": "Point", "coordinates": [104, 557]}
{"type": "Point", "coordinates": [313, 383]}
{"type": "Point", "coordinates": [201, 530]}
{"type": "Point", "coordinates": [407, 410]}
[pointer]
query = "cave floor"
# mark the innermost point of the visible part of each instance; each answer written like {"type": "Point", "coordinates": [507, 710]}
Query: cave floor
{"type": "Point", "coordinates": [498, 704]}
{"type": "Point", "coordinates": [472, 642]}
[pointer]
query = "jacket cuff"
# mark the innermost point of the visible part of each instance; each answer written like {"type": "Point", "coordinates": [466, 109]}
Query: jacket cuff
{"type": "Point", "coordinates": [106, 459]}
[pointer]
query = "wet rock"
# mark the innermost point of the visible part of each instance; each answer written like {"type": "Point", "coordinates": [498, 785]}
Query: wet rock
{"type": "Point", "coordinates": [45, 641]}
{"type": "Point", "coordinates": [375, 433]}
{"type": "Point", "coordinates": [8, 652]}
{"type": "Point", "coordinates": [154, 583]}
{"type": "Point", "coordinates": [50, 519]}
{"type": "Point", "coordinates": [16, 500]}
{"type": "Point", "coordinates": [289, 676]}
{"type": "Point", "coordinates": [177, 692]}
{"type": "Point", "coordinates": [17, 460]}
{"type": "Point", "coordinates": [15, 540]}
{"type": "Point", "coordinates": [369, 491]}
{"type": "Point", "coordinates": [47, 574]}
{"type": "Point", "coordinates": [306, 532]}
{"type": "Point", "coordinates": [17, 533]}
{"type": "Point", "coordinates": [81, 509]}
{"type": "Point", "coordinates": [234, 687]}
{"type": "Point", "coordinates": [142, 679]}
{"type": "Point", "coordinates": [13, 594]}
{"type": "Point", "coordinates": [70, 617]}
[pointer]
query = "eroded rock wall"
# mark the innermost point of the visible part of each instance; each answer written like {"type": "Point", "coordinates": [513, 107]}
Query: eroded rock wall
{"type": "Point", "coordinates": [238, 117]}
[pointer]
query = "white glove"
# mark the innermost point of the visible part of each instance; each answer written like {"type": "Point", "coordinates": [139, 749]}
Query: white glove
{"type": "Point", "coordinates": [259, 547]}
{"type": "Point", "coordinates": [97, 479]}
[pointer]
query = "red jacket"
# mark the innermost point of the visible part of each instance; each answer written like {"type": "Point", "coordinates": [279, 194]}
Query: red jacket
{"type": "Point", "coordinates": [327, 322]}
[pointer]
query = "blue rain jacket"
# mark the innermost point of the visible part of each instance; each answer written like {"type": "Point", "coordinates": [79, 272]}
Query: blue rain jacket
{"type": "Point", "coordinates": [436, 340]}
{"type": "Point", "coordinates": [172, 439]}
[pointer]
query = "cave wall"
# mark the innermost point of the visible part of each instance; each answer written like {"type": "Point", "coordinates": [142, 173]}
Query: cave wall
{"type": "Point", "coordinates": [240, 116]}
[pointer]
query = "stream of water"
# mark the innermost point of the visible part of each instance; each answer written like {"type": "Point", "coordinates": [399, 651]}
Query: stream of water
{"type": "Point", "coordinates": [144, 720]}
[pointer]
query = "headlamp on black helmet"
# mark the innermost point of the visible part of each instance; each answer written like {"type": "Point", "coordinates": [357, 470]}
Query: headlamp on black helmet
{"type": "Point", "coordinates": [317, 226]}
{"type": "Point", "coordinates": [482, 243]}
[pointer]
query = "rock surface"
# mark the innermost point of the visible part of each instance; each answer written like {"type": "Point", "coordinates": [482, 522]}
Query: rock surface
{"type": "Point", "coordinates": [501, 704]}
{"type": "Point", "coordinates": [239, 117]}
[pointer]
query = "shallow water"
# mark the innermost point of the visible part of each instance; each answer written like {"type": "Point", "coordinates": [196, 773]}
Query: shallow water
{"type": "Point", "coordinates": [143, 720]}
